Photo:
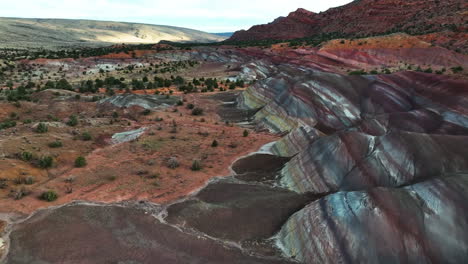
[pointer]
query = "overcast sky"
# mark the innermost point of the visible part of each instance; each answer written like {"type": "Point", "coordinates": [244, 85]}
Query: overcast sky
{"type": "Point", "coordinates": [206, 15]}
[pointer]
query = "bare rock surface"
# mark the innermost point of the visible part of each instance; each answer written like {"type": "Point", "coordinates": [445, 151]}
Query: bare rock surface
{"type": "Point", "coordinates": [127, 136]}
{"type": "Point", "coordinates": [237, 212]}
{"type": "Point", "coordinates": [114, 234]}
{"type": "Point", "coordinates": [422, 223]}
{"type": "Point", "coordinates": [144, 101]}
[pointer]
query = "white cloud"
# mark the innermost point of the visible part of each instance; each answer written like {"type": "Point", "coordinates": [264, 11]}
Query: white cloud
{"type": "Point", "coordinates": [208, 15]}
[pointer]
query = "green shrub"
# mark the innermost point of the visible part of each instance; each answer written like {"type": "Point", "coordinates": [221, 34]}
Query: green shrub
{"type": "Point", "coordinates": [196, 165]}
{"type": "Point", "coordinates": [111, 178]}
{"type": "Point", "coordinates": [49, 196]}
{"type": "Point", "coordinates": [246, 133]}
{"type": "Point", "coordinates": [42, 128]}
{"type": "Point", "coordinates": [46, 162]}
{"type": "Point", "coordinates": [197, 111]}
{"type": "Point", "coordinates": [26, 156]}
{"type": "Point", "coordinates": [86, 136]}
{"type": "Point", "coordinates": [7, 124]}
{"type": "Point", "coordinates": [80, 162]}
{"type": "Point", "coordinates": [3, 183]}
{"type": "Point", "coordinates": [359, 72]}
{"type": "Point", "coordinates": [457, 69]}
{"type": "Point", "coordinates": [55, 144]}
{"type": "Point", "coordinates": [73, 121]}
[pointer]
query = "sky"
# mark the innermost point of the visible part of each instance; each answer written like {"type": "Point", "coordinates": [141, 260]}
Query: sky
{"type": "Point", "coordinates": [205, 15]}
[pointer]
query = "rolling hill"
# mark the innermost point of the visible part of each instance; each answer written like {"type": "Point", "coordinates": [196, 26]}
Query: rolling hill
{"type": "Point", "coordinates": [56, 33]}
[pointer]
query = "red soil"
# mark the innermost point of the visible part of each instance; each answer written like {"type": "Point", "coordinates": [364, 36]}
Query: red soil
{"type": "Point", "coordinates": [124, 172]}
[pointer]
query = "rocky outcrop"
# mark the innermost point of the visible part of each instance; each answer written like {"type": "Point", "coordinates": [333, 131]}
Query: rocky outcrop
{"type": "Point", "coordinates": [387, 154]}
{"type": "Point", "coordinates": [356, 161]}
{"type": "Point", "coordinates": [127, 136]}
{"type": "Point", "coordinates": [422, 223]}
{"type": "Point", "coordinates": [364, 18]}
{"type": "Point", "coordinates": [144, 101]}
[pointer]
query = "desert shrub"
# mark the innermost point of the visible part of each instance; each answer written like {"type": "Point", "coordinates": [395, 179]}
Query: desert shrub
{"type": "Point", "coordinates": [173, 163]}
{"type": "Point", "coordinates": [154, 176]}
{"type": "Point", "coordinates": [196, 165]}
{"type": "Point", "coordinates": [26, 156]}
{"type": "Point", "coordinates": [72, 121]}
{"type": "Point", "coordinates": [3, 184]}
{"type": "Point", "coordinates": [80, 162]}
{"type": "Point", "coordinates": [86, 136]}
{"type": "Point", "coordinates": [46, 162]}
{"type": "Point", "coordinates": [19, 193]}
{"type": "Point", "coordinates": [190, 106]}
{"type": "Point", "coordinates": [7, 124]}
{"type": "Point", "coordinates": [42, 128]}
{"type": "Point", "coordinates": [214, 144]}
{"type": "Point", "coordinates": [55, 144]}
{"type": "Point", "coordinates": [111, 178]}
{"type": "Point", "coordinates": [180, 103]}
{"type": "Point", "coordinates": [29, 180]}
{"type": "Point", "coordinates": [49, 196]}
{"type": "Point", "coordinates": [146, 112]}
{"type": "Point", "coordinates": [63, 84]}
{"type": "Point", "coordinates": [457, 69]}
{"type": "Point", "coordinates": [197, 111]}
{"type": "Point", "coordinates": [246, 133]}
{"type": "Point", "coordinates": [359, 72]}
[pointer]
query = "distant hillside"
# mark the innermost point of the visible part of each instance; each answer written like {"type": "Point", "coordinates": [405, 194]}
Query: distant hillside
{"type": "Point", "coordinates": [370, 17]}
{"type": "Point", "coordinates": [55, 33]}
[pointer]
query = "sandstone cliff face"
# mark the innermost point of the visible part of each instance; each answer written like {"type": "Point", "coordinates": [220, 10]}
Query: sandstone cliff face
{"type": "Point", "coordinates": [366, 17]}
